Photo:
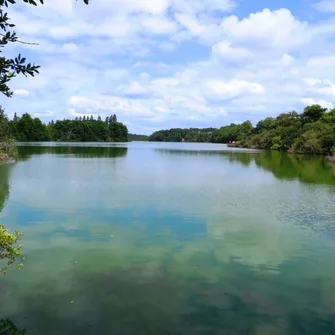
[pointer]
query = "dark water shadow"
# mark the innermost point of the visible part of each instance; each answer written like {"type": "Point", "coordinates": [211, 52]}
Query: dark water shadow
{"type": "Point", "coordinates": [307, 169]}
{"type": "Point", "coordinates": [135, 301]}
{"type": "Point", "coordinates": [25, 152]}
{"type": "Point", "coordinates": [4, 183]}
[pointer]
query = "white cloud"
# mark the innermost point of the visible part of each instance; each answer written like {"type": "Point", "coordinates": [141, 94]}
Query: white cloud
{"type": "Point", "coordinates": [321, 63]}
{"type": "Point", "coordinates": [149, 6]}
{"type": "Point", "coordinates": [327, 6]}
{"type": "Point", "coordinates": [159, 25]}
{"type": "Point", "coordinates": [224, 51]}
{"type": "Point", "coordinates": [200, 6]}
{"type": "Point", "coordinates": [171, 62]}
{"type": "Point", "coordinates": [232, 88]}
{"type": "Point", "coordinates": [21, 92]}
{"type": "Point", "coordinates": [312, 101]}
{"type": "Point", "coordinates": [134, 88]}
{"type": "Point", "coordinates": [287, 59]}
{"type": "Point", "coordinates": [277, 28]}
{"type": "Point", "coordinates": [44, 114]}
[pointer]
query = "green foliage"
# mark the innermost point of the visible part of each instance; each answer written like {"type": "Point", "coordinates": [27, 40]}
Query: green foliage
{"type": "Point", "coordinates": [7, 327]}
{"type": "Point", "coordinates": [312, 132]}
{"type": "Point", "coordinates": [9, 251]}
{"type": "Point", "coordinates": [4, 125]}
{"type": "Point", "coordinates": [9, 149]}
{"type": "Point", "coordinates": [312, 113]}
{"type": "Point", "coordinates": [11, 67]}
{"type": "Point", "coordinates": [265, 125]}
{"type": "Point", "coordinates": [88, 130]}
{"type": "Point", "coordinates": [136, 137]}
{"type": "Point", "coordinates": [179, 135]}
{"type": "Point", "coordinates": [27, 129]}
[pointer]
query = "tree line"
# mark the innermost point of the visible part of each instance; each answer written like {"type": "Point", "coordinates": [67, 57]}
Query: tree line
{"type": "Point", "coordinates": [25, 128]}
{"type": "Point", "coordinates": [180, 134]}
{"type": "Point", "coordinates": [137, 137]}
{"type": "Point", "coordinates": [310, 132]}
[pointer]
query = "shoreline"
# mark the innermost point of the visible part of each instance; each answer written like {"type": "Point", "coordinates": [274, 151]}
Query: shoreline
{"type": "Point", "coordinates": [4, 157]}
{"type": "Point", "coordinates": [328, 158]}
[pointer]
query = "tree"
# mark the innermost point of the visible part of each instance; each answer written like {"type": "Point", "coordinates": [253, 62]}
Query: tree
{"type": "Point", "coordinates": [312, 113]}
{"type": "Point", "coordinates": [11, 67]}
{"type": "Point", "coordinates": [8, 249]}
{"type": "Point", "coordinates": [4, 127]}
{"type": "Point", "coordinates": [113, 118]}
{"type": "Point", "coordinates": [7, 327]}
{"type": "Point", "coordinates": [266, 124]}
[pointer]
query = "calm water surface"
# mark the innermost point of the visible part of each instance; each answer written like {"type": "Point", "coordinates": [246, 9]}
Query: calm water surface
{"type": "Point", "coordinates": [163, 238]}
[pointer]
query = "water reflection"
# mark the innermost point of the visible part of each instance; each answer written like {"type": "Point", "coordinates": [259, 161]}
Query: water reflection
{"type": "Point", "coordinates": [309, 169]}
{"type": "Point", "coordinates": [4, 184]}
{"type": "Point", "coordinates": [26, 152]}
{"type": "Point", "coordinates": [170, 242]}
{"type": "Point", "coordinates": [100, 293]}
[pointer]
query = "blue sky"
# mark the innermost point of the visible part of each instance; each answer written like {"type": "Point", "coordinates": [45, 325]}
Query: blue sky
{"type": "Point", "coordinates": [175, 63]}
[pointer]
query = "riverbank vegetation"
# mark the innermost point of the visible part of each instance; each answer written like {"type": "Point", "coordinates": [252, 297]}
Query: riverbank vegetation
{"type": "Point", "coordinates": [311, 132]}
{"type": "Point", "coordinates": [81, 129]}
{"type": "Point", "coordinates": [9, 69]}
{"type": "Point", "coordinates": [179, 135]}
{"type": "Point", "coordinates": [136, 137]}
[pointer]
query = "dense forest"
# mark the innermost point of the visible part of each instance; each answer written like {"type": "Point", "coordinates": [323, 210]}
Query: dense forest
{"type": "Point", "coordinates": [179, 135]}
{"type": "Point", "coordinates": [136, 137]}
{"type": "Point", "coordinates": [82, 129]}
{"type": "Point", "coordinates": [311, 132]}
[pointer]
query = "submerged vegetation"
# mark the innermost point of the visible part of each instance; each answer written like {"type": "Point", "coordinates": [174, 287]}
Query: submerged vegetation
{"type": "Point", "coordinates": [311, 132]}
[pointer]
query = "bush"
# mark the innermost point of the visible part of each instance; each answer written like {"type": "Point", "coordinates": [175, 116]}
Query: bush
{"type": "Point", "coordinates": [276, 146]}
{"type": "Point", "coordinates": [9, 252]}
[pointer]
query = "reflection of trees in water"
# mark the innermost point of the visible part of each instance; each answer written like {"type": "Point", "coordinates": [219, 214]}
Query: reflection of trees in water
{"type": "Point", "coordinates": [4, 184]}
{"type": "Point", "coordinates": [26, 152]}
{"type": "Point", "coordinates": [129, 301]}
{"type": "Point", "coordinates": [308, 169]}
{"type": "Point", "coordinates": [7, 327]}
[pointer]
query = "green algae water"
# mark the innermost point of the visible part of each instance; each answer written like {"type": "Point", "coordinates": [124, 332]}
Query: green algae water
{"type": "Point", "coordinates": [169, 238]}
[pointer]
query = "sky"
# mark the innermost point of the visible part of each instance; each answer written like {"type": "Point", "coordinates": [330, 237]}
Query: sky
{"type": "Point", "coordinates": [160, 64]}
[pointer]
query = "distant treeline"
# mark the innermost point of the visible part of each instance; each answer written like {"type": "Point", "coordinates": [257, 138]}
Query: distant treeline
{"type": "Point", "coordinates": [311, 132]}
{"type": "Point", "coordinates": [136, 137]}
{"type": "Point", "coordinates": [180, 134]}
{"type": "Point", "coordinates": [81, 129]}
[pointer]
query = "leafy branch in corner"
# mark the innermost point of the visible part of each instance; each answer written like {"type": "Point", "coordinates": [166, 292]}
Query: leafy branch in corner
{"type": "Point", "coordinates": [10, 68]}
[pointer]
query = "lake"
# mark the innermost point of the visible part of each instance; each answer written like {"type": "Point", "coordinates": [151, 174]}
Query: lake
{"type": "Point", "coordinates": [169, 238]}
